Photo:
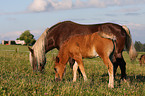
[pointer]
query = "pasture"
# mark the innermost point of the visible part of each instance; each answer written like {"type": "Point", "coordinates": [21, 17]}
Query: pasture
{"type": "Point", "coordinates": [17, 78]}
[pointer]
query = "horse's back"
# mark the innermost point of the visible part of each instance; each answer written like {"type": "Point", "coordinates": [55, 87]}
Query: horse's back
{"type": "Point", "coordinates": [63, 30]}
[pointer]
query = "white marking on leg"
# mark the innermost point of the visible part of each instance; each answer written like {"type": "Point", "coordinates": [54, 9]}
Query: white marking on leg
{"type": "Point", "coordinates": [85, 77]}
{"type": "Point", "coordinates": [82, 71]}
{"type": "Point", "coordinates": [75, 68]}
{"type": "Point", "coordinates": [111, 80]}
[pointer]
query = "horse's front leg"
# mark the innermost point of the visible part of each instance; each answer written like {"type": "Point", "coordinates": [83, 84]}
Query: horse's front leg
{"type": "Point", "coordinates": [71, 62]}
{"type": "Point", "coordinates": [81, 66]}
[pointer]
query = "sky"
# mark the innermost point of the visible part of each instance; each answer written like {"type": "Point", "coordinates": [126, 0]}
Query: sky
{"type": "Point", "coordinates": [16, 16]}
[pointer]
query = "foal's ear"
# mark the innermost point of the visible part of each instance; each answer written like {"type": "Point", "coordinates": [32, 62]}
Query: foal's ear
{"type": "Point", "coordinates": [57, 59]}
{"type": "Point", "coordinates": [30, 49]}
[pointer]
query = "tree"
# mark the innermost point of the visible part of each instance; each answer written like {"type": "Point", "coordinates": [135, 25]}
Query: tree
{"type": "Point", "coordinates": [139, 46]}
{"type": "Point", "coordinates": [27, 37]}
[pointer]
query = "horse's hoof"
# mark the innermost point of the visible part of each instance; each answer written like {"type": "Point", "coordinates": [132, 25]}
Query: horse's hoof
{"type": "Point", "coordinates": [110, 86]}
{"type": "Point", "coordinates": [74, 80]}
{"type": "Point", "coordinates": [85, 79]}
{"type": "Point", "coordinates": [123, 80]}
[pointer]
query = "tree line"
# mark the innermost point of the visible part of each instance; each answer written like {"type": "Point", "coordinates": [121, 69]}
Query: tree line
{"type": "Point", "coordinates": [139, 46]}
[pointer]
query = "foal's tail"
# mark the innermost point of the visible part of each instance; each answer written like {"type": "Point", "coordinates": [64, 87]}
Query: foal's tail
{"type": "Point", "coordinates": [107, 35]}
{"type": "Point", "coordinates": [129, 44]}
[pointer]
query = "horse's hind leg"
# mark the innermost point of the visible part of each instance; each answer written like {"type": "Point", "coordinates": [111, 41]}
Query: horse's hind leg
{"type": "Point", "coordinates": [122, 65]}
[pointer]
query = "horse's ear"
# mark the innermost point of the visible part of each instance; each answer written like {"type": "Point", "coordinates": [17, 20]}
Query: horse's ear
{"type": "Point", "coordinates": [30, 49]}
{"type": "Point", "coordinates": [57, 59]}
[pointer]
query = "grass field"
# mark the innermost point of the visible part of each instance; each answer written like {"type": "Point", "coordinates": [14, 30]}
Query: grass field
{"type": "Point", "coordinates": [17, 78]}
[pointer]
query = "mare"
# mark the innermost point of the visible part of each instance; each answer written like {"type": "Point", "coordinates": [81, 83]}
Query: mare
{"type": "Point", "coordinates": [85, 46]}
{"type": "Point", "coordinates": [55, 36]}
{"type": "Point", "coordinates": [142, 59]}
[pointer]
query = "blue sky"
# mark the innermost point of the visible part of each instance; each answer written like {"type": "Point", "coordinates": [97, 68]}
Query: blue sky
{"type": "Point", "coordinates": [16, 16]}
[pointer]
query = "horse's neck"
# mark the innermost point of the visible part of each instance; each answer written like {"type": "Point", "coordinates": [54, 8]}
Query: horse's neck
{"type": "Point", "coordinates": [50, 43]}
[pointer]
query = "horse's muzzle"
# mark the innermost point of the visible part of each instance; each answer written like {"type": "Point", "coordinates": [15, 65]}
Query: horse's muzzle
{"type": "Point", "coordinates": [57, 79]}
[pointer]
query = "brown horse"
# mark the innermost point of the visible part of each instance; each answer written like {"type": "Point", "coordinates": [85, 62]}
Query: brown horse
{"type": "Point", "coordinates": [142, 59]}
{"type": "Point", "coordinates": [57, 34]}
{"type": "Point", "coordinates": [85, 46]}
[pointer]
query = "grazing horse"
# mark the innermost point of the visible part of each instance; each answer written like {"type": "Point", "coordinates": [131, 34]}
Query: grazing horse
{"type": "Point", "coordinates": [142, 59]}
{"type": "Point", "coordinates": [57, 34]}
{"type": "Point", "coordinates": [86, 46]}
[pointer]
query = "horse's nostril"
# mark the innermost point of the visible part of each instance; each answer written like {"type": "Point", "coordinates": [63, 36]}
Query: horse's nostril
{"type": "Point", "coordinates": [55, 69]}
{"type": "Point", "coordinates": [57, 80]}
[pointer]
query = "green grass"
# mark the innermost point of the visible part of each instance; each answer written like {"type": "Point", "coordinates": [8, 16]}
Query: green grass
{"type": "Point", "coordinates": [17, 78]}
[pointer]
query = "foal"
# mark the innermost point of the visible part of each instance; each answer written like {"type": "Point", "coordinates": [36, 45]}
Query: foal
{"type": "Point", "coordinates": [86, 46]}
{"type": "Point", "coordinates": [142, 59]}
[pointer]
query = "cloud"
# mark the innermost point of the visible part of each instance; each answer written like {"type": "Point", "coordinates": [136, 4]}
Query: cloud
{"type": "Point", "coordinates": [48, 5]}
{"type": "Point", "coordinates": [136, 29]}
{"type": "Point", "coordinates": [132, 9]}
{"type": "Point", "coordinates": [132, 14]}
{"type": "Point", "coordinates": [38, 5]}
{"type": "Point", "coordinates": [16, 34]}
{"type": "Point", "coordinates": [12, 13]}
{"type": "Point", "coordinates": [10, 35]}
{"type": "Point", "coordinates": [136, 26]}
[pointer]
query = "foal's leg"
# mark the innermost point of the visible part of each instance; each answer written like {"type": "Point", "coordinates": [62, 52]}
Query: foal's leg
{"type": "Point", "coordinates": [72, 62]}
{"type": "Point", "coordinates": [109, 65]}
{"type": "Point", "coordinates": [75, 67]}
{"type": "Point", "coordinates": [81, 66]}
{"type": "Point", "coordinates": [78, 59]}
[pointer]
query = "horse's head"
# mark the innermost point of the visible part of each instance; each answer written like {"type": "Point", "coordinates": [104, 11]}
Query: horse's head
{"type": "Point", "coordinates": [59, 70]}
{"type": "Point", "coordinates": [36, 62]}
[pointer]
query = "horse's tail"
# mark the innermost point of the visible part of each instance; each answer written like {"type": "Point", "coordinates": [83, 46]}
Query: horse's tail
{"type": "Point", "coordinates": [129, 44]}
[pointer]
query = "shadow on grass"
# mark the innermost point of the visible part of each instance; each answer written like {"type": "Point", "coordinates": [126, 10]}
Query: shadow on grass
{"type": "Point", "coordinates": [130, 78]}
{"type": "Point", "coordinates": [137, 78]}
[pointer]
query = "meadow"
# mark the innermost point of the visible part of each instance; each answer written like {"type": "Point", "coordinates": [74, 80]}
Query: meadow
{"type": "Point", "coordinates": [17, 77]}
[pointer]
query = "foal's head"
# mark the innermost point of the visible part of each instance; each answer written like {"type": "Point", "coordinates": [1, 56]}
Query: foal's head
{"type": "Point", "coordinates": [59, 69]}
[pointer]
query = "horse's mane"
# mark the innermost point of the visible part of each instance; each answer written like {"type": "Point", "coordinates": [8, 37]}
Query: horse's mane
{"type": "Point", "coordinates": [39, 47]}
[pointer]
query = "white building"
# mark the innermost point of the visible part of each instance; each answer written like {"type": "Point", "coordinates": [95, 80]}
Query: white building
{"type": "Point", "coordinates": [22, 42]}
{"type": "Point", "coordinates": [12, 42]}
